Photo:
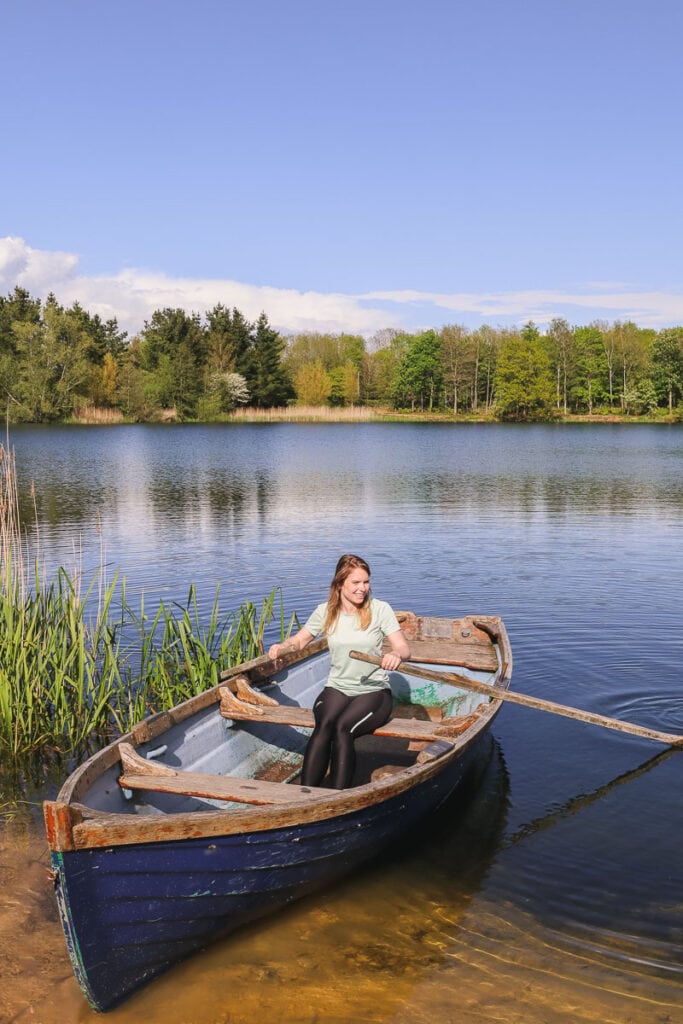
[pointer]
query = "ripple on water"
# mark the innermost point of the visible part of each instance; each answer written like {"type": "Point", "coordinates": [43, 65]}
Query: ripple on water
{"type": "Point", "coordinates": [510, 967]}
{"type": "Point", "coordinates": [656, 710]}
{"type": "Point", "coordinates": [458, 923]}
{"type": "Point", "coordinates": [601, 879]}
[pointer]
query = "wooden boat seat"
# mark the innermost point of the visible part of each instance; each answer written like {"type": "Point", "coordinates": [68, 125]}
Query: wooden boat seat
{"type": "Point", "coordinates": [453, 654]}
{"type": "Point", "coordinates": [139, 773]}
{"type": "Point", "coordinates": [243, 710]}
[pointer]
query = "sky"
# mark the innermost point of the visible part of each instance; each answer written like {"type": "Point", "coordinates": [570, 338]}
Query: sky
{"type": "Point", "coordinates": [346, 165]}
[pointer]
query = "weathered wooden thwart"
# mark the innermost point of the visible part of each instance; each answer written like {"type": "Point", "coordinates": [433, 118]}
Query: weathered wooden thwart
{"type": "Point", "coordinates": [195, 822]}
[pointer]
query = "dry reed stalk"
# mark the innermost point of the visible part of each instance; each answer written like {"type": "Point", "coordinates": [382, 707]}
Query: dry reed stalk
{"type": "Point", "coordinates": [307, 414]}
{"type": "Point", "coordinates": [13, 581]}
{"type": "Point", "coordinates": [92, 415]}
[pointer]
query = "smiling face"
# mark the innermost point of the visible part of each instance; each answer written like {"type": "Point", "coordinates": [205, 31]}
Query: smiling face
{"type": "Point", "coordinates": [354, 589]}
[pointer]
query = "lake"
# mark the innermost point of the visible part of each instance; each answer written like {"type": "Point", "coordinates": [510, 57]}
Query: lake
{"type": "Point", "coordinates": [553, 891]}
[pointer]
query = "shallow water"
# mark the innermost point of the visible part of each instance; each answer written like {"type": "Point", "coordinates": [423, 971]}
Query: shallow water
{"type": "Point", "coordinates": [553, 891]}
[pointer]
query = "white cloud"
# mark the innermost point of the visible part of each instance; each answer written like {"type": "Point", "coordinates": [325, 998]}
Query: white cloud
{"type": "Point", "coordinates": [647, 309]}
{"type": "Point", "coordinates": [31, 268]}
{"type": "Point", "coordinates": [132, 296]}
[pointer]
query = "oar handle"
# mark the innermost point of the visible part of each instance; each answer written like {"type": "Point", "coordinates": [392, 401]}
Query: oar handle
{"type": "Point", "coordinates": [497, 693]}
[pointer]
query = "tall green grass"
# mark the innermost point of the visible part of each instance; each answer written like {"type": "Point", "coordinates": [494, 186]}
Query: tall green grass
{"type": "Point", "coordinates": [79, 665]}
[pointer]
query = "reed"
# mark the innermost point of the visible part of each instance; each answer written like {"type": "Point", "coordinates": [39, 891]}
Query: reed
{"type": "Point", "coordinates": [70, 679]}
{"type": "Point", "coordinates": [13, 572]}
{"type": "Point", "coordinates": [307, 414]}
{"type": "Point", "coordinates": [178, 653]}
{"type": "Point", "coordinates": [97, 414]}
{"type": "Point", "coordinates": [79, 665]}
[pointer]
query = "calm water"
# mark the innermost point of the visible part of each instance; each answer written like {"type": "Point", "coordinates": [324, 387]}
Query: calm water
{"type": "Point", "coordinates": [554, 891]}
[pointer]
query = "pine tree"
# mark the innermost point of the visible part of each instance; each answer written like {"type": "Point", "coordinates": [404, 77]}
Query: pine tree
{"type": "Point", "coordinates": [270, 385]}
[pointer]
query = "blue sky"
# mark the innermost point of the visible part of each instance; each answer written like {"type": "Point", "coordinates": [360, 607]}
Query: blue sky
{"type": "Point", "coordinates": [346, 165]}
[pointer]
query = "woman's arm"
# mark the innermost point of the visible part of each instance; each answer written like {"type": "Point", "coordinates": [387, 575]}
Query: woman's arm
{"type": "Point", "coordinates": [400, 651]}
{"type": "Point", "coordinates": [294, 643]}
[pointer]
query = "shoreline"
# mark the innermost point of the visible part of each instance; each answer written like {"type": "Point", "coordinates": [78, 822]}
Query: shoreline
{"type": "Point", "coordinates": [364, 415]}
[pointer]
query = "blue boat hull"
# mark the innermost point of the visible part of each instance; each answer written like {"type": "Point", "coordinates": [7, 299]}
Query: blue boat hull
{"type": "Point", "coordinates": [131, 912]}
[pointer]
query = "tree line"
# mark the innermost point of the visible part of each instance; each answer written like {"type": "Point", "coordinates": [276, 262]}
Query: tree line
{"type": "Point", "coordinates": [57, 361]}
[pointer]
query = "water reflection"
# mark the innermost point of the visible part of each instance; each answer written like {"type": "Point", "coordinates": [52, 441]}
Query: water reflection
{"type": "Point", "coordinates": [170, 506]}
{"type": "Point", "coordinates": [588, 912]}
{"type": "Point", "coordinates": [200, 471]}
{"type": "Point", "coordinates": [562, 901]}
{"type": "Point", "coordinates": [577, 803]}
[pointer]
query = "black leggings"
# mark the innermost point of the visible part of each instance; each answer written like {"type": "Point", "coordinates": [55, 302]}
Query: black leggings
{"type": "Point", "coordinates": [338, 721]}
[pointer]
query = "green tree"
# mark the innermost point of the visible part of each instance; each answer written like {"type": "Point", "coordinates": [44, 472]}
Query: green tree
{"type": "Point", "coordinates": [609, 347]}
{"type": "Point", "coordinates": [17, 308]}
{"type": "Point", "coordinates": [631, 346]}
{"type": "Point", "coordinates": [351, 378]}
{"type": "Point", "coordinates": [381, 364]}
{"type": "Point", "coordinates": [351, 350]}
{"type": "Point", "coordinates": [332, 350]}
{"type": "Point", "coordinates": [524, 377]}
{"type": "Point", "coordinates": [106, 338]}
{"type": "Point", "coordinates": [458, 353]}
{"type": "Point", "coordinates": [173, 352]}
{"type": "Point", "coordinates": [53, 365]}
{"type": "Point", "coordinates": [562, 352]}
{"type": "Point", "coordinates": [271, 384]}
{"type": "Point", "coordinates": [487, 343]}
{"type": "Point", "coordinates": [591, 367]}
{"type": "Point", "coordinates": [666, 365]}
{"type": "Point", "coordinates": [133, 384]}
{"type": "Point", "coordinates": [312, 384]}
{"type": "Point", "coordinates": [230, 342]}
{"type": "Point", "coordinates": [344, 384]}
{"type": "Point", "coordinates": [420, 373]}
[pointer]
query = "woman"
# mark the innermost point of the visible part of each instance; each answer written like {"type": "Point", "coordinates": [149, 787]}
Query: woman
{"type": "Point", "coordinates": [356, 698]}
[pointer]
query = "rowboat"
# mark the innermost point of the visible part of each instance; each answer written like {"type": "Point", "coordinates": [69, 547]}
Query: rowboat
{"type": "Point", "coordinates": [194, 823]}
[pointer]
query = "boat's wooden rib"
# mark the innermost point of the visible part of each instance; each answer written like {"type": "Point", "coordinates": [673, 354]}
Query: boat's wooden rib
{"type": "Point", "coordinates": [133, 764]}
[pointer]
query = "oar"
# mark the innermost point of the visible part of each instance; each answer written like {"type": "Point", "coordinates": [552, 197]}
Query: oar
{"type": "Point", "coordinates": [496, 693]}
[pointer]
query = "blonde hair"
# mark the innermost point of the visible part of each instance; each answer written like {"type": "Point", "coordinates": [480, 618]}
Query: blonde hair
{"type": "Point", "coordinates": [345, 566]}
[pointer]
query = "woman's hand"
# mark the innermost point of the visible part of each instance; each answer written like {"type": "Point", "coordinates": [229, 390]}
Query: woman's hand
{"type": "Point", "coordinates": [294, 643]}
{"type": "Point", "coordinates": [400, 651]}
{"type": "Point", "coordinates": [277, 651]}
{"type": "Point", "coordinates": [390, 661]}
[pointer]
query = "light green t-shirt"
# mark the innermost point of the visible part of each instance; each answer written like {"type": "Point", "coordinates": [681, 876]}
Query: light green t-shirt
{"type": "Point", "coordinates": [349, 676]}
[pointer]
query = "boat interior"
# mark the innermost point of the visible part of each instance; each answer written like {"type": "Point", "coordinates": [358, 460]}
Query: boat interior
{"type": "Point", "coordinates": [247, 745]}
